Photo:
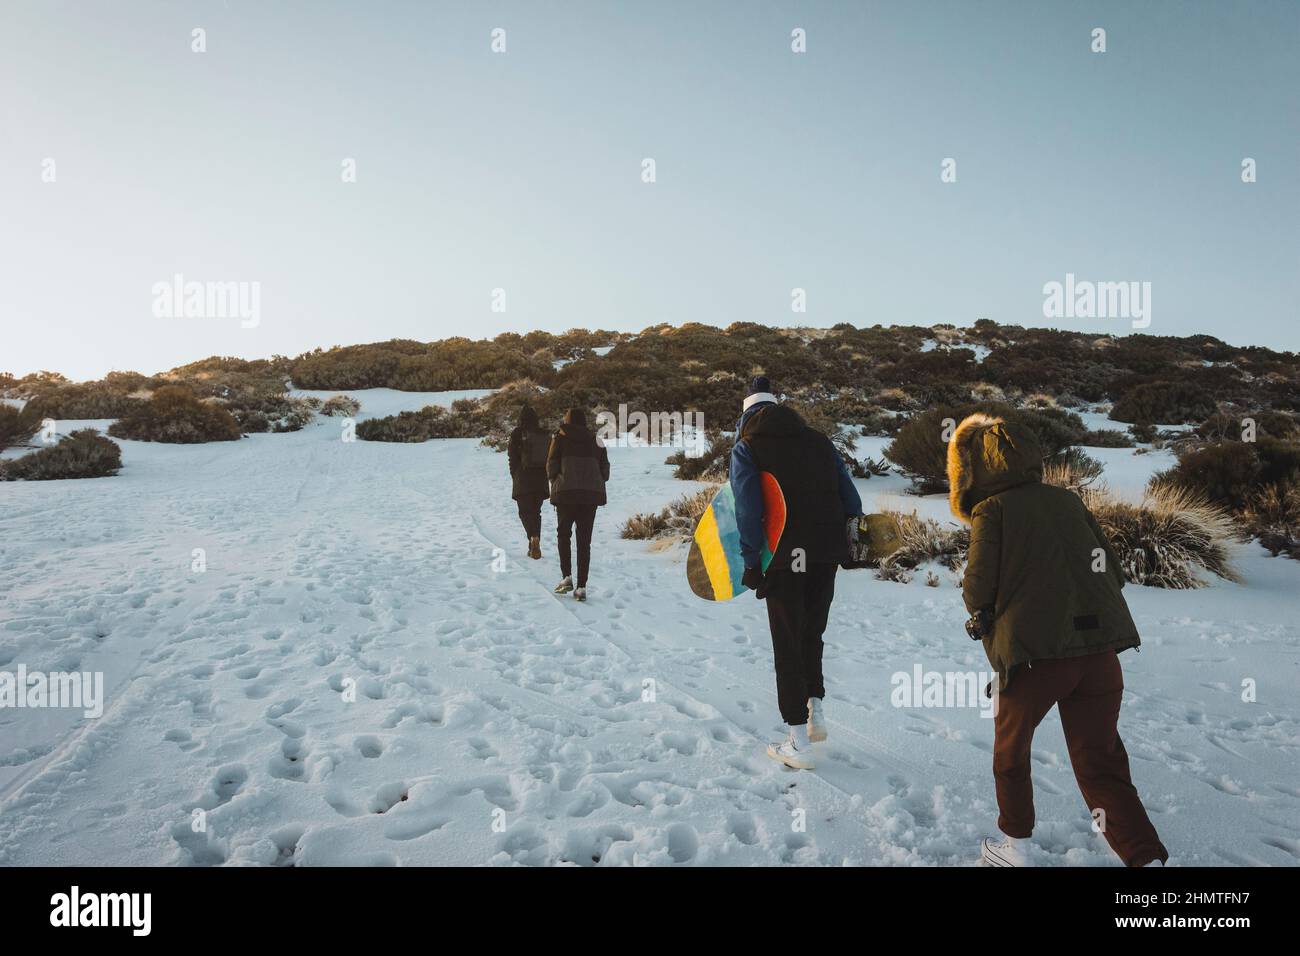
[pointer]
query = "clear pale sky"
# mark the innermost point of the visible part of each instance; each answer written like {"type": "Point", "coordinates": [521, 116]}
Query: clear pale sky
{"type": "Point", "coordinates": [522, 170]}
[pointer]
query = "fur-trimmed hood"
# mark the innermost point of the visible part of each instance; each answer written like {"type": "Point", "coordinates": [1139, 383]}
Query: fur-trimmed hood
{"type": "Point", "coordinates": [987, 456]}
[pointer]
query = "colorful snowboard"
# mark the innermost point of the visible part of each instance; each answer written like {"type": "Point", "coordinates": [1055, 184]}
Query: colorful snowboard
{"type": "Point", "coordinates": [714, 566]}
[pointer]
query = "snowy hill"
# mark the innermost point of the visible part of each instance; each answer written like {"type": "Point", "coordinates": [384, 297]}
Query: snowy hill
{"type": "Point", "coordinates": [494, 723]}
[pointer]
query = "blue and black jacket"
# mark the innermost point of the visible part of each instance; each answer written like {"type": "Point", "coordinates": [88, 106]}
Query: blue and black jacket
{"type": "Point", "coordinates": [819, 492]}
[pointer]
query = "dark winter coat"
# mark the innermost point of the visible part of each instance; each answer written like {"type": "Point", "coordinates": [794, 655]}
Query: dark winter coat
{"type": "Point", "coordinates": [578, 465]}
{"type": "Point", "coordinates": [819, 492]}
{"type": "Point", "coordinates": [528, 482]}
{"type": "Point", "coordinates": [1035, 552]}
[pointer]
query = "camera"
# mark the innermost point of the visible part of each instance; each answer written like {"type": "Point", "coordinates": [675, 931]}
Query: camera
{"type": "Point", "coordinates": [980, 624]}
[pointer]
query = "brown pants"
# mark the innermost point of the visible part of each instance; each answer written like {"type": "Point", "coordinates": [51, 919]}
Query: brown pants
{"type": "Point", "coordinates": [1087, 690]}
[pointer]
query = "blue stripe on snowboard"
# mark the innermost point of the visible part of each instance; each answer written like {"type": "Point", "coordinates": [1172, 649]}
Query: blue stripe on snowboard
{"type": "Point", "coordinates": [724, 515]}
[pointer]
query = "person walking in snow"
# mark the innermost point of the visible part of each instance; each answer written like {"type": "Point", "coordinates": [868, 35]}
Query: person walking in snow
{"type": "Point", "coordinates": [1048, 584]}
{"type": "Point", "coordinates": [578, 467]}
{"type": "Point", "coordinates": [799, 583]}
{"type": "Point", "coordinates": [527, 450]}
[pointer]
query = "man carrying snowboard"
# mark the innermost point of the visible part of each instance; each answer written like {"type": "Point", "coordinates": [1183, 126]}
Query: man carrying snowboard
{"type": "Point", "coordinates": [799, 583]}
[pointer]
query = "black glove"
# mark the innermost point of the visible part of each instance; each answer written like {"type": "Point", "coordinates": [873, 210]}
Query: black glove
{"type": "Point", "coordinates": [980, 624]}
{"type": "Point", "coordinates": [753, 579]}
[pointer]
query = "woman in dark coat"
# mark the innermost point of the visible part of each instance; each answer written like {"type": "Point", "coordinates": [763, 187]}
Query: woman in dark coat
{"type": "Point", "coordinates": [1042, 567]}
{"type": "Point", "coordinates": [528, 449]}
{"type": "Point", "coordinates": [578, 466]}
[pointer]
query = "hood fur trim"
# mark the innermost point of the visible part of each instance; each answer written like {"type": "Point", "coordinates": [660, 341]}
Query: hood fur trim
{"type": "Point", "coordinates": [961, 462]}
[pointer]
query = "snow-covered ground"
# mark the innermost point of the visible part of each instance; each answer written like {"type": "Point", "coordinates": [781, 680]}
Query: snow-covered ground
{"type": "Point", "coordinates": [370, 671]}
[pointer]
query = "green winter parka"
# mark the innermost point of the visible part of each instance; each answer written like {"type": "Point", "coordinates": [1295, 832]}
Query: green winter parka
{"type": "Point", "coordinates": [1037, 556]}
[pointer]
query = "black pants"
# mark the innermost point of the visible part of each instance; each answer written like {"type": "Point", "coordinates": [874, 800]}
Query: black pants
{"type": "Point", "coordinates": [566, 517]}
{"type": "Point", "coordinates": [798, 603]}
{"type": "Point", "coordinates": [530, 513]}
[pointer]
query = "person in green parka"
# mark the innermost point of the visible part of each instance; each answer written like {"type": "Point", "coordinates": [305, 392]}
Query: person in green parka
{"type": "Point", "coordinates": [1042, 568]}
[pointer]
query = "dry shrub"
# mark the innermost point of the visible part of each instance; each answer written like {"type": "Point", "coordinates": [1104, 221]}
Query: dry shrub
{"type": "Point", "coordinates": [924, 540]}
{"type": "Point", "coordinates": [1162, 541]}
{"type": "Point", "coordinates": [1168, 537]}
{"type": "Point", "coordinates": [713, 465]}
{"type": "Point", "coordinates": [987, 392]}
{"type": "Point", "coordinates": [677, 520]}
{"type": "Point", "coordinates": [343, 406]}
{"type": "Point", "coordinates": [1272, 513]}
{"type": "Point", "coordinates": [1073, 469]}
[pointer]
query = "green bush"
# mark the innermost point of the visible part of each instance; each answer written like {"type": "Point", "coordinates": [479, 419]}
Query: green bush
{"type": "Point", "coordinates": [16, 426]}
{"type": "Point", "coordinates": [86, 400]}
{"type": "Point", "coordinates": [1166, 403]}
{"type": "Point", "coordinates": [432, 421]}
{"type": "Point", "coordinates": [83, 454]}
{"type": "Point", "coordinates": [1106, 438]}
{"type": "Point", "coordinates": [418, 366]}
{"type": "Point", "coordinates": [1143, 432]}
{"type": "Point", "coordinates": [1231, 427]}
{"type": "Point", "coordinates": [173, 414]}
{"type": "Point", "coordinates": [921, 453]}
{"type": "Point", "coordinates": [1230, 473]}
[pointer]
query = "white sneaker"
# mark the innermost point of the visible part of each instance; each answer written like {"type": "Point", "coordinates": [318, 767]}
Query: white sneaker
{"type": "Point", "coordinates": [791, 755]}
{"type": "Point", "coordinates": [816, 720]}
{"type": "Point", "coordinates": [1007, 851]}
{"type": "Point", "coordinates": [580, 594]}
{"type": "Point", "coordinates": [565, 586]}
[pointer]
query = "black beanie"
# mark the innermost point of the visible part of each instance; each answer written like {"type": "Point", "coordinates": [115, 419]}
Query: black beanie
{"type": "Point", "coordinates": [759, 383]}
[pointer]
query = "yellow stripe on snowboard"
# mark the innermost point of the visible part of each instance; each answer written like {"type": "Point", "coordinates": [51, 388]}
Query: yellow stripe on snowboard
{"type": "Point", "coordinates": [715, 559]}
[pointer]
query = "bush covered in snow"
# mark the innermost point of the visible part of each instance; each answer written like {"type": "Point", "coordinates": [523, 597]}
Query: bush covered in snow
{"type": "Point", "coordinates": [173, 414]}
{"type": "Point", "coordinates": [83, 454]}
{"type": "Point", "coordinates": [276, 413]}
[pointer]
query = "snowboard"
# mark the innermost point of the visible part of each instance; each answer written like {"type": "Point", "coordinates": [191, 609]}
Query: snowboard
{"type": "Point", "coordinates": [714, 566]}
